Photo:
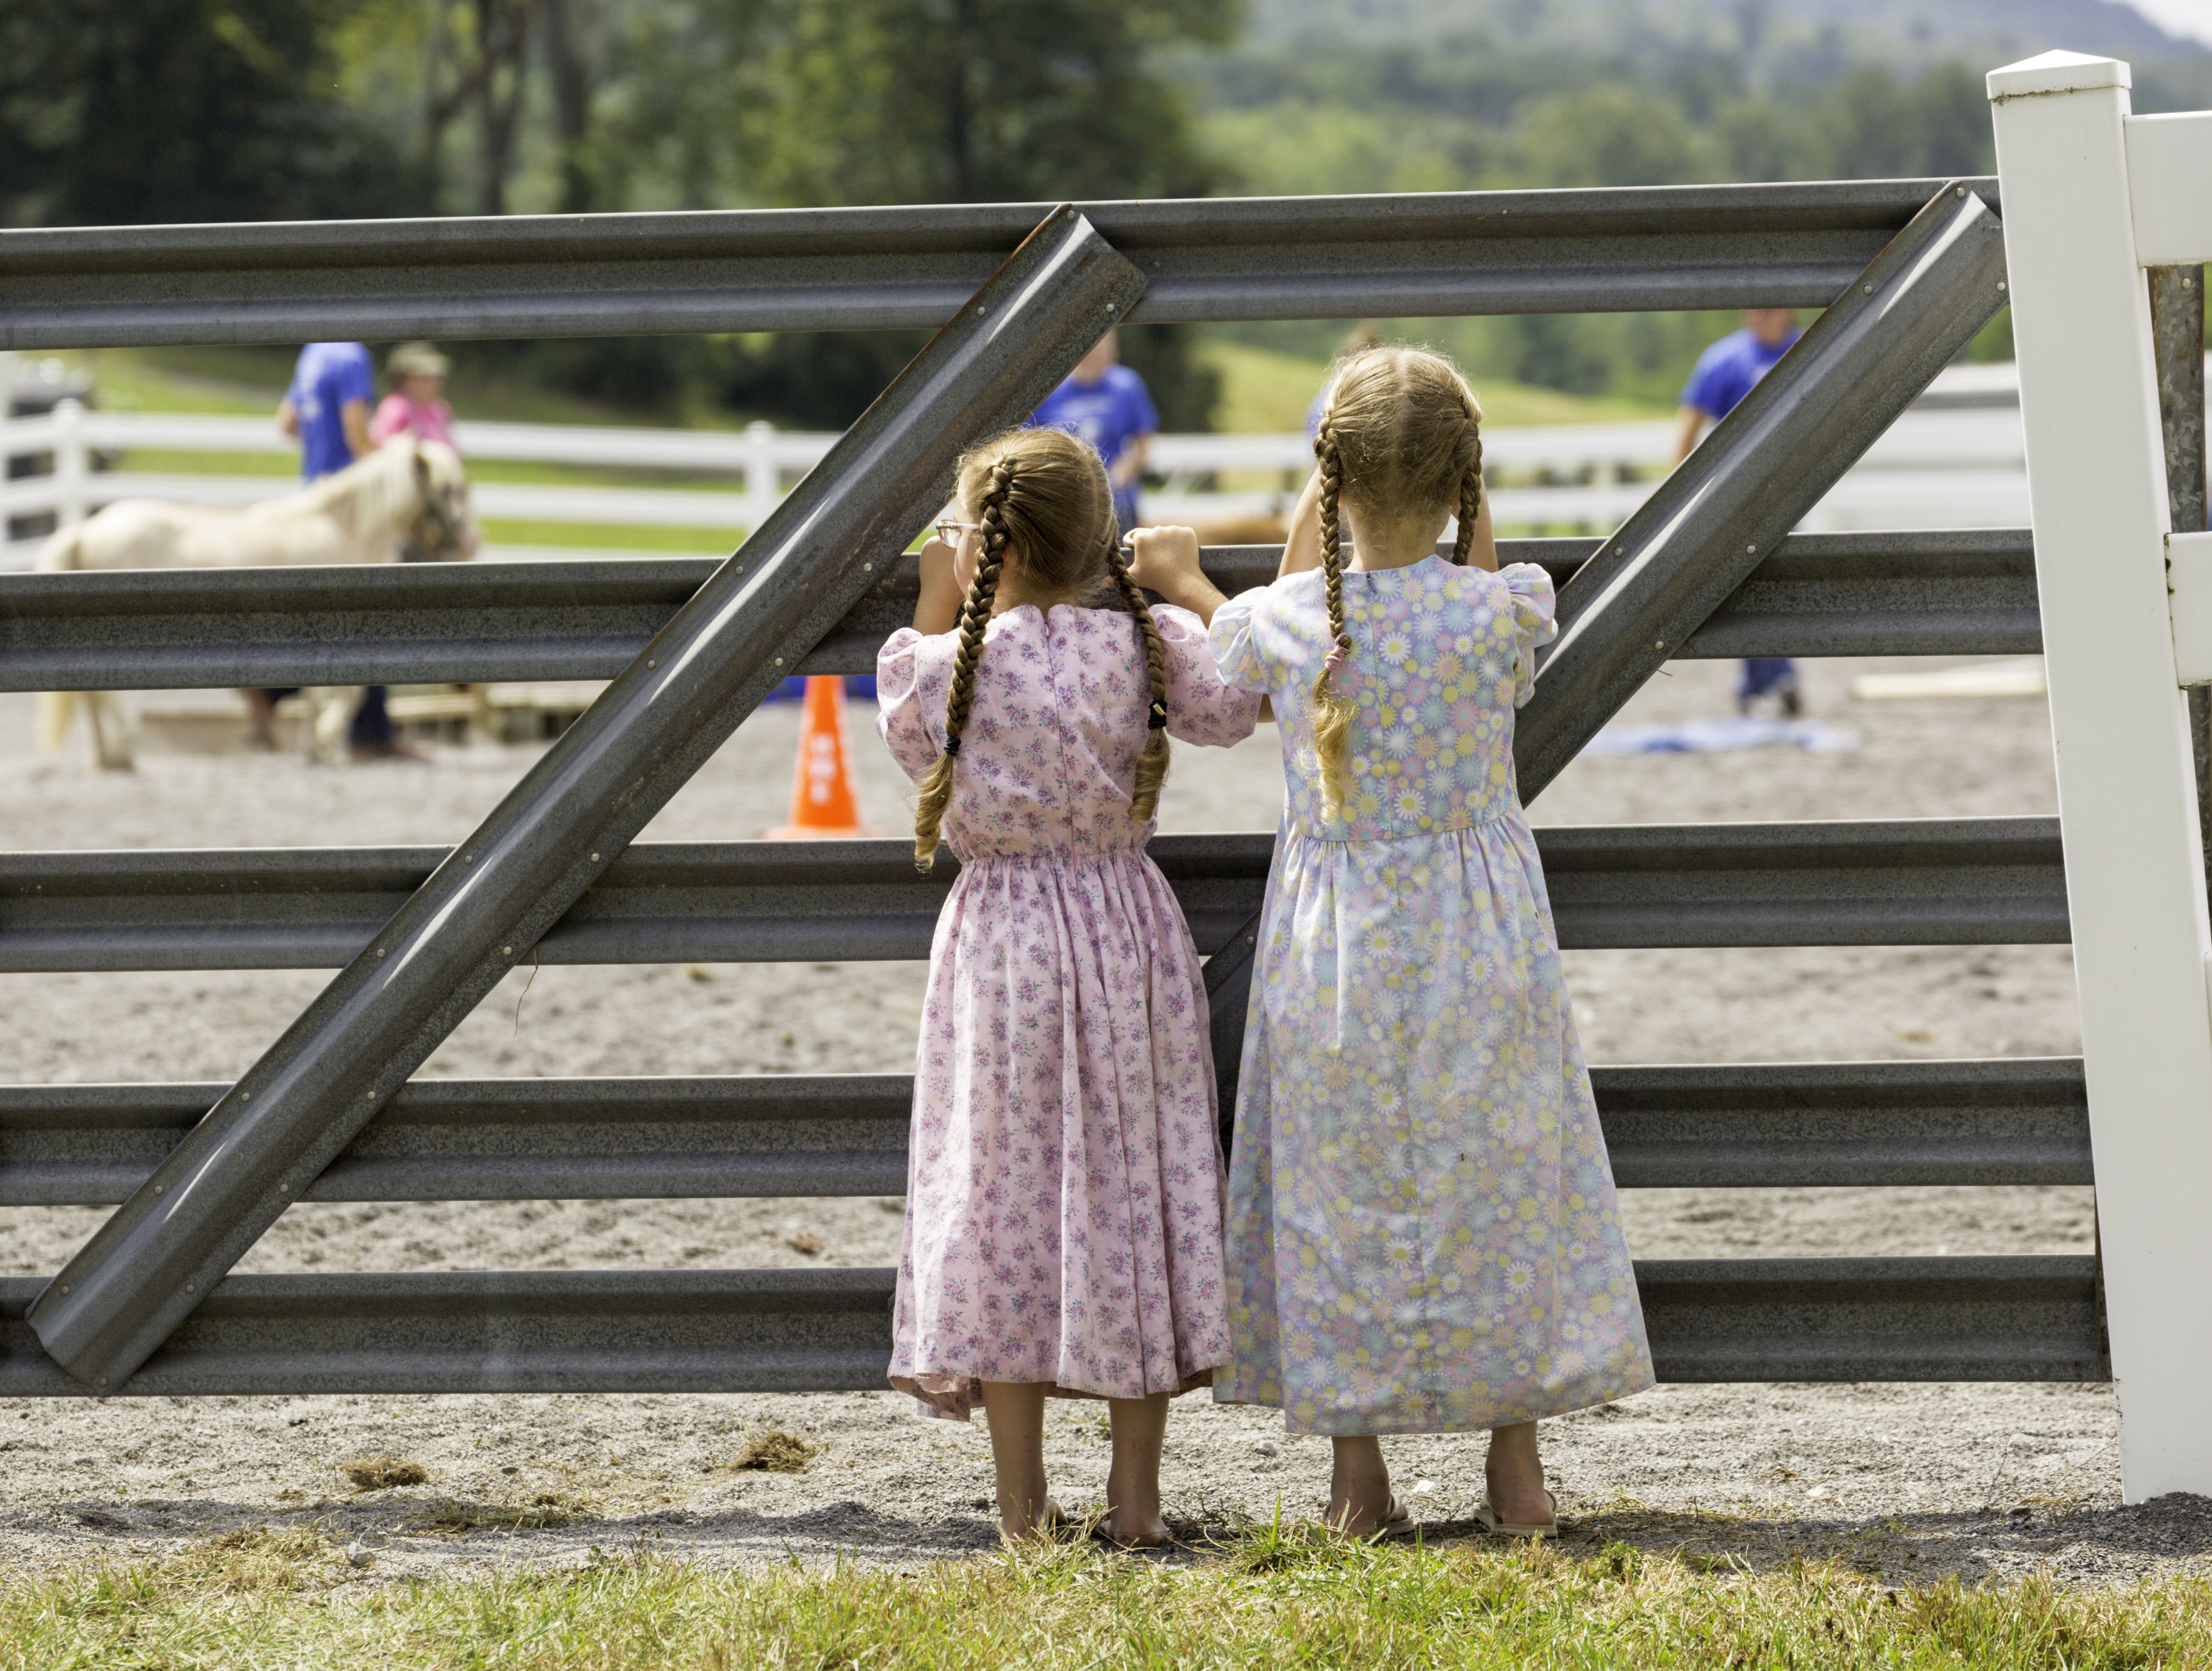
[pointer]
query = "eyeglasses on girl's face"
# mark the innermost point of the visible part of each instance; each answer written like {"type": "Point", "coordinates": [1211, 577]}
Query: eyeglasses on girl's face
{"type": "Point", "coordinates": [950, 528]}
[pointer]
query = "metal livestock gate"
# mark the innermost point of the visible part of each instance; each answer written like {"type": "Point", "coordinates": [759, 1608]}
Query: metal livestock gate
{"type": "Point", "coordinates": [1907, 271]}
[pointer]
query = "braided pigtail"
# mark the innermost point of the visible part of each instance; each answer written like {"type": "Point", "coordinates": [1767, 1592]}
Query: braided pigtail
{"type": "Point", "coordinates": [1470, 497]}
{"type": "Point", "coordinates": [1332, 710]}
{"type": "Point", "coordinates": [1152, 764]}
{"type": "Point", "coordinates": [936, 793]}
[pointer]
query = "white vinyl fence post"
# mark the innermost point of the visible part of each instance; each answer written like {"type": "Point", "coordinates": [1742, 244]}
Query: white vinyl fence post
{"type": "Point", "coordinates": [763, 485]}
{"type": "Point", "coordinates": [72, 464]}
{"type": "Point", "coordinates": [2127, 796]}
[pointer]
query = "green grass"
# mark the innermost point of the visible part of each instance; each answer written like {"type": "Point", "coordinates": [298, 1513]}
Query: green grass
{"type": "Point", "coordinates": [252, 381]}
{"type": "Point", "coordinates": [1267, 391]}
{"type": "Point", "coordinates": [279, 1601]}
{"type": "Point", "coordinates": [531, 472]}
{"type": "Point", "coordinates": [618, 537]}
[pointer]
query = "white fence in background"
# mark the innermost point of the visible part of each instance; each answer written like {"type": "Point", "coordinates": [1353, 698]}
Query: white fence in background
{"type": "Point", "coordinates": [2092, 196]}
{"type": "Point", "coordinates": [1955, 460]}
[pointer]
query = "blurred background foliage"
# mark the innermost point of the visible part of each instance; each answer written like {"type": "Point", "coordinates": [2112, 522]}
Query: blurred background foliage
{"type": "Point", "coordinates": [116, 111]}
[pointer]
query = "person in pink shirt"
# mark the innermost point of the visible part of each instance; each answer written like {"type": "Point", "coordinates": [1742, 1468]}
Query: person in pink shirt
{"type": "Point", "coordinates": [417, 404]}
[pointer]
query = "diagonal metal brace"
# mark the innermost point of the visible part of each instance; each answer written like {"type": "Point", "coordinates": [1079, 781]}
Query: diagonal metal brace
{"type": "Point", "coordinates": [481, 911]}
{"type": "Point", "coordinates": [1766, 464]}
{"type": "Point", "coordinates": [1679, 557]}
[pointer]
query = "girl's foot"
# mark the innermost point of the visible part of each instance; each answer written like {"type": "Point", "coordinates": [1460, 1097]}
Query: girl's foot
{"type": "Point", "coordinates": [1545, 1525]}
{"type": "Point", "coordinates": [1133, 1519]}
{"type": "Point", "coordinates": [1133, 1531]}
{"type": "Point", "coordinates": [1514, 1475]}
{"type": "Point", "coordinates": [1015, 1527]}
{"type": "Point", "coordinates": [1360, 1503]}
{"type": "Point", "coordinates": [1365, 1520]}
{"type": "Point", "coordinates": [1015, 1410]}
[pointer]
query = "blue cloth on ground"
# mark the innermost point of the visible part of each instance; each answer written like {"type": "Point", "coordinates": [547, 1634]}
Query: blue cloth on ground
{"type": "Point", "coordinates": [1109, 414]}
{"type": "Point", "coordinates": [1730, 369]}
{"type": "Point", "coordinates": [328, 375]}
{"type": "Point", "coordinates": [1722, 737]}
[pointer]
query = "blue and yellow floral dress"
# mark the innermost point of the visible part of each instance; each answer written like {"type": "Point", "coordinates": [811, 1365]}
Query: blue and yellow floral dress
{"type": "Point", "coordinates": [1422, 1233]}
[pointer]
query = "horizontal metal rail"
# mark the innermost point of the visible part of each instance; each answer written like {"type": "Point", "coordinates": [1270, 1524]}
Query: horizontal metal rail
{"type": "Point", "coordinates": [1966, 593]}
{"type": "Point", "coordinates": [2006, 1121]}
{"type": "Point", "coordinates": [1978, 1319]}
{"type": "Point", "coordinates": [1910, 882]}
{"type": "Point", "coordinates": [1609, 250]}
{"type": "Point", "coordinates": [786, 1331]}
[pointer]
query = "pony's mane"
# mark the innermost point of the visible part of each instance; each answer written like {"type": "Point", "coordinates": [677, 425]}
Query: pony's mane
{"type": "Point", "coordinates": [376, 489]}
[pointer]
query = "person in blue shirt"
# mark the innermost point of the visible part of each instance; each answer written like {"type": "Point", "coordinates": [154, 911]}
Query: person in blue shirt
{"type": "Point", "coordinates": [1106, 404]}
{"type": "Point", "coordinates": [327, 409]}
{"type": "Point", "coordinates": [1725, 373]}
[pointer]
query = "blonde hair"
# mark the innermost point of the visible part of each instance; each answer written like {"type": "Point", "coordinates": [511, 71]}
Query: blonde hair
{"type": "Point", "coordinates": [1045, 505]}
{"type": "Point", "coordinates": [1401, 433]}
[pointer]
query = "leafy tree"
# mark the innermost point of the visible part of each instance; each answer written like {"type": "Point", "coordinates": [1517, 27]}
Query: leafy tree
{"type": "Point", "coordinates": [134, 111]}
{"type": "Point", "coordinates": [1612, 134]}
{"type": "Point", "coordinates": [1879, 126]}
{"type": "Point", "coordinates": [977, 100]}
{"type": "Point", "coordinates": [862, 101]}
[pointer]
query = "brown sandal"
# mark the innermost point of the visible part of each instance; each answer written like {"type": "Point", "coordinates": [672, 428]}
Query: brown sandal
{"type": "Point", "coordinates": [1486, 1517]}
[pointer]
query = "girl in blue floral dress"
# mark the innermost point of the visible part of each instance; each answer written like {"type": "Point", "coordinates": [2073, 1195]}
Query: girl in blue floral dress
{"type": "Point", "coordinates": [1423, 1234]}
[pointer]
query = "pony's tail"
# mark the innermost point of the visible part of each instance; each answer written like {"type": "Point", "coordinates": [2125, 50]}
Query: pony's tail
{"type": "Point", "coordinates": [55, 709]}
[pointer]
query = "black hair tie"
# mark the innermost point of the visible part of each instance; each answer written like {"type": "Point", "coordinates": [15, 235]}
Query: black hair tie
{"type": "Point", "coordinates": [951, 747]}
{"type": "Point", "coordinates": [1159, 721]}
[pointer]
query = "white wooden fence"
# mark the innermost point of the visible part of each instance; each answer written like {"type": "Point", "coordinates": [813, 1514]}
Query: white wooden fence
{"type": "Point", "coordinates": [2092, 195]}
{"type": "Point", "coordinates": [1955, 461]}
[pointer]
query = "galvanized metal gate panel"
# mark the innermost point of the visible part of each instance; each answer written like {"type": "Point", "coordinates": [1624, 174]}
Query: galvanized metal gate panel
{"type": "Point", "coordinates": [1921, 250]}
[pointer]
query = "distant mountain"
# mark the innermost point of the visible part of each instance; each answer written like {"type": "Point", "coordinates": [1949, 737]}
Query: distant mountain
{"type": "Point", "coordinates": [1784, 31]}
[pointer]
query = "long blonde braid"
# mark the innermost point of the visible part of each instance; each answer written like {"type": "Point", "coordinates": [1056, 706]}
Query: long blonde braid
{"type": "Point", "coordinates": [936, 793]}
{"type": "Point", "coordinates": [1332, 710]}
{"type": "Point", "coordinates": [1470, 490]}
{"type": "Point", "coordinates": [1152, 764]}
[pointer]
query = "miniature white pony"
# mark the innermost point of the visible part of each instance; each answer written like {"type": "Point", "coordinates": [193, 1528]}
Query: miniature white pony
{"type": "Point", "coordinates": [409, 497]}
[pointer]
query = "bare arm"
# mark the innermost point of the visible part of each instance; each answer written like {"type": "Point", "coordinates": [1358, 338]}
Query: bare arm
{"type": "Point", "coordinates": [354, 416]}
{"type": "Point", "coordinates": [1301, 548]}
{"type": "Point", "coordinates": [938, 608]}
{"type": "Point", "coordinates": [1692, 421]}
{"type": "Point", "coordinates": [288, 418]}
{"type": "Point", "coordinates": [1131, 465]}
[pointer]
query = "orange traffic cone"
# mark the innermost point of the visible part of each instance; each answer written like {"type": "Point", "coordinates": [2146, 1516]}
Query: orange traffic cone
{"type": "Point", "coordinates": [823, 803]}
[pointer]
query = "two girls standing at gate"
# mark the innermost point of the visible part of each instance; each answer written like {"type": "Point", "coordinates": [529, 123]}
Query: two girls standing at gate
{"type": "Point", "coordinates": [1063, 1205]}
{"type": "Point", "coordinates": [1423, 1234]}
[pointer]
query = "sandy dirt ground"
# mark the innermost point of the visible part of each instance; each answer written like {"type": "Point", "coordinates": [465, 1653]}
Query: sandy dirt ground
{"type": "Point", "coordinates": [1905, 1480]}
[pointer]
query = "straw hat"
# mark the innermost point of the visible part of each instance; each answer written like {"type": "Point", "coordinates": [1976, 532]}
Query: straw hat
{"type": "Point", "coordinates": [415, 359]}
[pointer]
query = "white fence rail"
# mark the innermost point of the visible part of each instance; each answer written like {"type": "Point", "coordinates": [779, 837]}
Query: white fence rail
{"type": "Point", "coordinates": [1955, 461]}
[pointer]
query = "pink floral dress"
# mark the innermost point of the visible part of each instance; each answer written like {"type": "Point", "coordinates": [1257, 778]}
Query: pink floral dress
{"type": "Point", "coordinates": [1065, 1178]}
{"type": "Point", "coordinates": [1422, 1233]}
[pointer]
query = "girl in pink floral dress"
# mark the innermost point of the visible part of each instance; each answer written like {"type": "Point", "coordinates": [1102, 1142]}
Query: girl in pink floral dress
{"type": "Point", "coordinates": [1063, 1201]}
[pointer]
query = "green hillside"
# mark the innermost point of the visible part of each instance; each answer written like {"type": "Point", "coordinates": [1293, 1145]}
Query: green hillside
{"type": "Point", "coordinates": [1776, 35]}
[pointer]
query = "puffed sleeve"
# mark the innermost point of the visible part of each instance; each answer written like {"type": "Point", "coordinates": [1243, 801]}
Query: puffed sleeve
{"type": "Point", "coordinates": [1535, 622]}
{"type": "Point", "coordinates": [1203, 707]}
{"type": "Point", "coordinates": [914, 676]}
{"type": "Point", "coordinates": [1236, 645]}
